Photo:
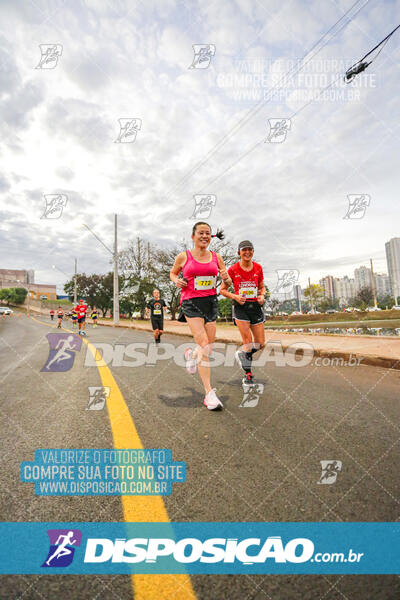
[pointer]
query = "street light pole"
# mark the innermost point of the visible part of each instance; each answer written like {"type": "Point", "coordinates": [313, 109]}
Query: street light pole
{"type": "Point", "coordinates": [116, 286]}
{"type": "Point", "coordinates": [115, 258]}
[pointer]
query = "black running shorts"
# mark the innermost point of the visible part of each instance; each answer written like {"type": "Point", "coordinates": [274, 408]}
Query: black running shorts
{"type": "Point", "coordinates": [205, 307]}
{"type": "Point", "coordinates": [81, 319]}
{"type": "Point", "coordinates": [250, 311]}
{"type": "Point", "coordinates": [157, 322]}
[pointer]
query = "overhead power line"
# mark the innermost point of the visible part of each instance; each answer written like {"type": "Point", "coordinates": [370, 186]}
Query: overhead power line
{"type": "Point", "coordinates": [252, 112]}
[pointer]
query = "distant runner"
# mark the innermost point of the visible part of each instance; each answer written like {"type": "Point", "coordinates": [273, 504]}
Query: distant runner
{"type": "Point", "coordinates": [52, 314]}
{"type": "Point", "coordinates": [93, 316]}
{"type": "Point", "coordinates": [249, 296]}
{"type": "Point", "coordinates": [156, 307]}
{"type": "Point", "coordinates": [74, 317]}
{"type": "Point", "coordinates": [60, 315]}
{"type": "Point", "coordinates": [80, 310]}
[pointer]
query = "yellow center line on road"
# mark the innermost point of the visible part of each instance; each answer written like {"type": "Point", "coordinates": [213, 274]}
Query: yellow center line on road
{"type": "Point", "coordinates": [137, 508]}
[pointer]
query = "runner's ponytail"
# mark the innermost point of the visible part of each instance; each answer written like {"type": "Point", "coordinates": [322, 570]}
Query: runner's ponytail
{"type": "Point", "coordinates": [220, 232]}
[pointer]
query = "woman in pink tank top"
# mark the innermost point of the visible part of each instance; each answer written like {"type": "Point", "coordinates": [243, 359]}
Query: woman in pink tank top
{"type": "Point", "coordinates": [200, 268]}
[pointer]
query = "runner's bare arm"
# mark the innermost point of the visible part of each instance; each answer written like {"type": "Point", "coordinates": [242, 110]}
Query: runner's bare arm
{"type": "Point", "coordinates": [176, 269]}
{"type": "Point", "coordinates": [261, 292]}
{"type": "Point", "coordinates": [223, 272]}
{"type": "Point", "coordinates": [223, 290]}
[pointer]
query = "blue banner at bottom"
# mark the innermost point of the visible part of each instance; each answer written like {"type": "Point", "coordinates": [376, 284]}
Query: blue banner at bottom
{"type": "Point", "coordinates": [213, 548]}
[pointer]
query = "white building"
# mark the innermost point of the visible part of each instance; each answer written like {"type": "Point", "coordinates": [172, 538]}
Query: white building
{"type": "Point", "coordinates": [345, 289]}
{"type": "Point", "coordinates": [298, 294]}
{"type": "Point", "coordinates": [393, 264]}
{"type": "Point", "coordinates": [328, 285]}
{"type": "Point", "coordinates": [362, 278]}
{"type": "Point", "coordinates": [382, 284]}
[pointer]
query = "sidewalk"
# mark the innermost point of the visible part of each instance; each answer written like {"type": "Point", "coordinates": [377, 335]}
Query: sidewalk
{"type": "Point", "coordinates": [376, 351]}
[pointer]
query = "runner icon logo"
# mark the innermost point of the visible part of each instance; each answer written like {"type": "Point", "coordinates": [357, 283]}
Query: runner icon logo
{"type": "Point", "coordinates": [278, 129]}
{"type": "Point", "coordinates": [287, 278]}
{"type": "Point", "coordinates": [203, 205]}
{"type": "Point", "coordinates": [62, 547]}
{"type": "Point", "coordinates": [128, 129]}
{"type": "Point", "coordinates": [358, 204]}
{"type": "Point", "coordinates": [252, 393]}
{"type": "Point", "coordinates": [50, 54]}
{"type": "Point", "coordinates": [202, 56]}
{"type": "Point", "coordinates": [55, 204]}
{"type": "Point", "coordinates": [330, 470]}
{"type": "Point", "coordinates": [97, 397]}
{"type": "Point", "coordinates": [62, 352]}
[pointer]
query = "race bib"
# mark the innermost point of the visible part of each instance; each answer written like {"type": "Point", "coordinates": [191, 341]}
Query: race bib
{"type": "Point", "coordinates": [157, 311]}
{"type": "Point", "coordinates": [205, 283]}
{"type": "Point", "coordinates": [248, 290]}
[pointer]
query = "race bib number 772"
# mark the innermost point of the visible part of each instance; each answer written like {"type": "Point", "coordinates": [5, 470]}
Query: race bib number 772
{"type": "Point", "coordinates": [205, 283]}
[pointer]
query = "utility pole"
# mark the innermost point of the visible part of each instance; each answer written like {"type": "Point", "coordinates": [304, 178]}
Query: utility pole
{"type": "Point", "coordinates": [116, 290]}
{"type": "Point", "coordinates": [114, 254]}
{"type": "Point", "coordinates": [311, 298]}
{"type": "Point", "coordinates": [373, 283]}
{"type": "Point", "coordinates": [76, 271]}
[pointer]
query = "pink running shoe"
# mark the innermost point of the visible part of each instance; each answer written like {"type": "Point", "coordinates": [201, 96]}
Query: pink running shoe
{"type": "Point", "coordinates": [212, 402]}
{"type": "Point", "coordinates": [191, 364]}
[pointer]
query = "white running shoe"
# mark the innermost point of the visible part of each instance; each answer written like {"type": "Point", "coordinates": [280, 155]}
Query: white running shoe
{"type": "Point", "coordinates": [212, 402]}
{"type": "Point", "coordinates": [191, 364]}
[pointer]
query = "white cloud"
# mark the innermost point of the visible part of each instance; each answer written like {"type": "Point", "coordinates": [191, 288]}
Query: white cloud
{"type": "Point", "coordinates": [124, 60]}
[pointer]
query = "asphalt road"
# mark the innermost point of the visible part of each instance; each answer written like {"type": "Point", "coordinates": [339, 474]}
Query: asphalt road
{"type": "Point", "coordinates": [258, 463]}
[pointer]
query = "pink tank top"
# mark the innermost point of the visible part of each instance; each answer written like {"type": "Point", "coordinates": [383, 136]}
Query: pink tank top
{"type": "Point", "coordinates": [201, 277]}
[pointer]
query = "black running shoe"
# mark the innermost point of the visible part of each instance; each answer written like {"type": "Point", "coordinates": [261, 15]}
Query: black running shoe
{"type": "Point", "coordinates": [242, 360]}
{"type": "Point", "coordinates": [248, 379]}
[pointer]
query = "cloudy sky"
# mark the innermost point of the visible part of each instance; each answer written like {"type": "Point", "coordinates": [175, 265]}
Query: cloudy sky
{"type": "Point", "coordinates": [200, 130]}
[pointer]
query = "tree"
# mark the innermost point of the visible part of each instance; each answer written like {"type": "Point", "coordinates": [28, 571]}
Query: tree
{"type": "Point", "coordinates": [137, 263]}
{"type": "Point", "coordinates": [18, 295]}
{"type": "Point", "coordinates": [225, 308]}
{"type": "Point", "coordinates": [385, 301]}
{"type": "Point", "coordinates": [329, 303]}
{"type": "Point", "coordinates": [13, 295]}
{"type": "Point", "coordinates": [126, 306]}
{"type": "Point", "coordinates": [288, 306]}
{"type": "Point", "coordinates": [273, 304]}
{"type": "Point", "coordinates": [5, 295]}
{"type": "Point", "coordinates": [315, 293]}
{"type": "Point", "coordinates": [87, 287]}
{"type": "Point", "coordinates": [97, 290]}
{"type": "Point", "coordinates": [363, 298]}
